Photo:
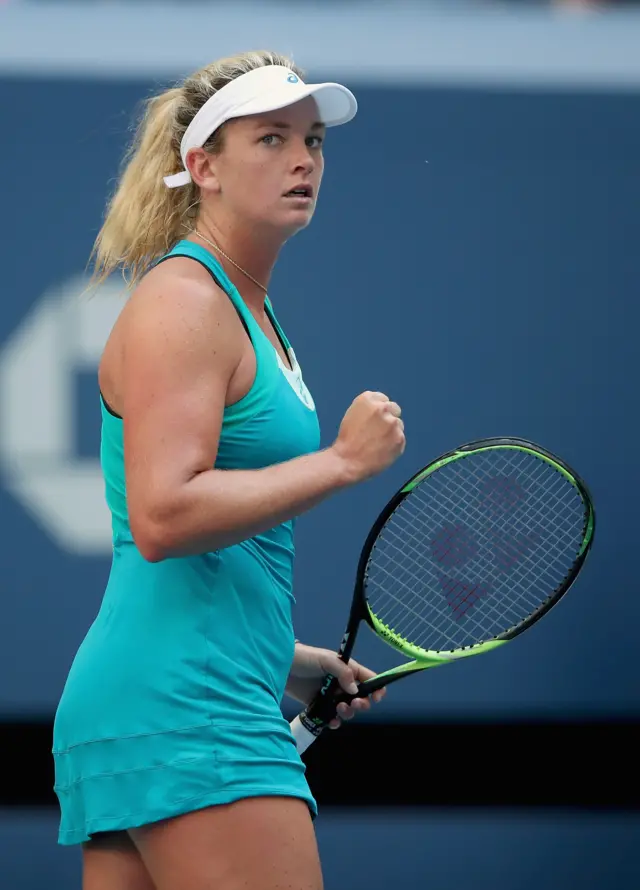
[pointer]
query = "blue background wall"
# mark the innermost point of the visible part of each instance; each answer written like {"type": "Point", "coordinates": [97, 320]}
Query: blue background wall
{"type": "Point", "coordinates": [474, 255]}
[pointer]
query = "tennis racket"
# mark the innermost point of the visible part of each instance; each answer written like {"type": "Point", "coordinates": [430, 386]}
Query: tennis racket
{"type": "Point", "coordinates": [470, 552]}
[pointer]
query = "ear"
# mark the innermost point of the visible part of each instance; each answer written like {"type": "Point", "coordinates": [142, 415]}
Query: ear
{"type": "Point", "coordinates": [201, 166]}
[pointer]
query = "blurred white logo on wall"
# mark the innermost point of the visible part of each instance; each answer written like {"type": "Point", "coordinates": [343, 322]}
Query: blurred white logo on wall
{"type": "Point", "coordinates": [64, 333]}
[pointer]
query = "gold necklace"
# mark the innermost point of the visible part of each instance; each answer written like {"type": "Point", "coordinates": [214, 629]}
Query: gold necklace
{"type": "Point", "coordinates": [233, 262]}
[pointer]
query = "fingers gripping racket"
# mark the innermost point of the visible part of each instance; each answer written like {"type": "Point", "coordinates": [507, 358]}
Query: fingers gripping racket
{"type": "Point", "coordinates": [469, 553]}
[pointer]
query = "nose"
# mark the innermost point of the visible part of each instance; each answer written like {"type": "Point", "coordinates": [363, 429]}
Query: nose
{"type": "Point", "coordinates": [303, 160]}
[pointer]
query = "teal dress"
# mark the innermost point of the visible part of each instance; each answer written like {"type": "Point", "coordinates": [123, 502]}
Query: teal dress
{"type": "Point", "coordinates": [173, 701]}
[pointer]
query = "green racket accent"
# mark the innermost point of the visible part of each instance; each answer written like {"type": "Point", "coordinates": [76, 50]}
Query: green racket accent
{"type": "Point", "coordinates": [429, 470]}
{"type": "Point", "coordinates": [588, 533]}
{"type": "Point", "coordinates": [457, 455]}
{"type": "Point", "coordinates": [423, 657]}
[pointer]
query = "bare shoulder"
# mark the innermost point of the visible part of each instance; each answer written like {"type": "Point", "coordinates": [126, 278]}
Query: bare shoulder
{"type": "Point", "coordinates": [177, 328]}
{"type": "Point", "coordinates": [178, 312]}
{"type": "Point", "coordinates": [182, 293]}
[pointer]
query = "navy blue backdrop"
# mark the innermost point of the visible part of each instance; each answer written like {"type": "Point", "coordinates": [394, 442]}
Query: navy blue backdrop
{"type": "Point", "coordinates": [474, 255]}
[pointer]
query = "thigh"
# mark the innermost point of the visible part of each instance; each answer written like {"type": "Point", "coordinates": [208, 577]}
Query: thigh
{"type": "Point", "coordinates": [266, 843]}
{"type": "Point", "coordinates": [111, 862]}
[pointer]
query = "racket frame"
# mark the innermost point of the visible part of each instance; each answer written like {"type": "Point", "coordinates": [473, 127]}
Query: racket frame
{"type": "Point", "coordinates": [323, 708]}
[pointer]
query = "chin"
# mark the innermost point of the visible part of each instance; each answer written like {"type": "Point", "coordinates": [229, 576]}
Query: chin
{"type": "Point", "coordinates": [298, 219]}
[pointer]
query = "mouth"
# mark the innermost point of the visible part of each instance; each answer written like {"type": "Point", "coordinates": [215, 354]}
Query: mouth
{"type": "Point", "coordinates": [301, 193]}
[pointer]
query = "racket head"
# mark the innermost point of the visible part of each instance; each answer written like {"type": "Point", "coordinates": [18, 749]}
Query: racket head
{"type": "Point", "coordinates": [472, 550]}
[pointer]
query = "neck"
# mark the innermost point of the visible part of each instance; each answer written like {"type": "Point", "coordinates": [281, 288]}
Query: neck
{"type": "Point", "coordinates": [256, 254]}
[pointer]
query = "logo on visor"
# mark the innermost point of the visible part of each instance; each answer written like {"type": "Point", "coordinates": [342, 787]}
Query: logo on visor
{"type": "Point", "coordinates": [292, 78]}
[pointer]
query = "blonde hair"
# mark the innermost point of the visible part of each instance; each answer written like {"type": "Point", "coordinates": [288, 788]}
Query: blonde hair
{"type": "Point", "coordinates": [144, 218]}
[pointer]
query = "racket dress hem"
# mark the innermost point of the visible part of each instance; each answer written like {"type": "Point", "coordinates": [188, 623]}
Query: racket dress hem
{"type": "Point", "coordinates": [70, 837]}
{"type": "Point", "coordinates": [102, 786]}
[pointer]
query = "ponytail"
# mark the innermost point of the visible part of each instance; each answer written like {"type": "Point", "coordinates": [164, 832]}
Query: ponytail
{"type": "Point", "coordinates": [145, 218]}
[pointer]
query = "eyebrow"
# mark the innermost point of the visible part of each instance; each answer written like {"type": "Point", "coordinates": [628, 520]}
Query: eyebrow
{"type": "Point", "coordinates": [282, 125]}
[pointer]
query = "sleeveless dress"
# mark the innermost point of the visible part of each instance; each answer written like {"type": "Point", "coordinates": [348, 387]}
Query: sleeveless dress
{"type": "Point", "coordinates": [173, 700]}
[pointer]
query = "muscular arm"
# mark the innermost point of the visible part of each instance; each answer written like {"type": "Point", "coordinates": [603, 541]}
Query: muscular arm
{"type": "Point", "coordinates": [180, 352]}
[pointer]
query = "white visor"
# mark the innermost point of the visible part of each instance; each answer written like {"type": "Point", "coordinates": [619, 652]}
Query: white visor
{"type": "Point", "coordinates": [263, 89]}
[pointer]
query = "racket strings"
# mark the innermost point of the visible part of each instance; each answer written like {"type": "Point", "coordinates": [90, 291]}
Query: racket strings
{"type": "Point", "coordinates": [396, 554]}
{"type": "Point", "coordinates": [505, 547]}
{"type": "Point", "coordinates": [475, 549]}
{"type": "Point", "coordinates": [463, 596]}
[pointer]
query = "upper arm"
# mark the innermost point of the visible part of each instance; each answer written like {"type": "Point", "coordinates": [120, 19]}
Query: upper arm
{"type": "Point", "coordinates": [180, 349]}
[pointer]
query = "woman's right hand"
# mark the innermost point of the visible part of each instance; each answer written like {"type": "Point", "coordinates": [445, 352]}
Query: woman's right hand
{"type": "Point", "coordinates": [371, 435]}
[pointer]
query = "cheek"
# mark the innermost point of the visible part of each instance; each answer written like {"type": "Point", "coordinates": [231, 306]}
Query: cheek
{"type": "Point", "coordinates": [257, 180]}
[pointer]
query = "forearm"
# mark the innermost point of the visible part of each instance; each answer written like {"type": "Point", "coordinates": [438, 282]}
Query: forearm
{"type": "Point", "coordinates": [218, 508]}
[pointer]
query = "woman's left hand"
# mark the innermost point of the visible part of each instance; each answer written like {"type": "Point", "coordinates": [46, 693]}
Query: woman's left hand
{"type": "Point", "coordinates": [311, 665]}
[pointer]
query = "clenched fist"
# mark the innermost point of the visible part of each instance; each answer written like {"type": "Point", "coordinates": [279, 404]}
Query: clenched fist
{"type": "Point", "coordinates": [371, 435]}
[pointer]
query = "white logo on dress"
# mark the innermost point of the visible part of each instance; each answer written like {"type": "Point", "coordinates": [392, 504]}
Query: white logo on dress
{"type": "Point", "coordinates": [294, 379]}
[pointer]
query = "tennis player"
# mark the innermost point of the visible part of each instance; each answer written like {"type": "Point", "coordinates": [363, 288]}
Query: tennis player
{"type": "Point", "coordinates": [174, 766]}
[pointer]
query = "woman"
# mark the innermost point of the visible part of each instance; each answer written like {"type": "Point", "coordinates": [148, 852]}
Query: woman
{"type": "Point", "coordinates": [175, 767]}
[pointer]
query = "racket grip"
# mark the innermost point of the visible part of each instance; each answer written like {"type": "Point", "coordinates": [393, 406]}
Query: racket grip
{"type": "Point", "coordinates": [310, 723]}
{"type": "Point", "coordinates": [301, 734]}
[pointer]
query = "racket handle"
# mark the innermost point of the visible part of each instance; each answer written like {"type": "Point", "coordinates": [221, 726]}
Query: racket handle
{"type": "Point", "coordinates": [301, 734]}
{"type": "Point", "coordinates": [311, 722]}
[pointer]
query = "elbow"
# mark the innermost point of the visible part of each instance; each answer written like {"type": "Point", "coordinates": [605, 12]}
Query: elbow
{"type": "Point", "coordinates": [152, 538]}
{"type": "Point", "coordinates": [150, 550]}
{"type": "Point", "coordinates": [168, 527]}
{"type": "Point", "coordinates": [150, 545]}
